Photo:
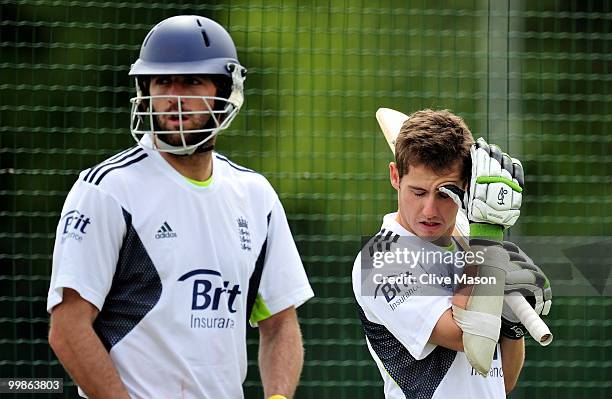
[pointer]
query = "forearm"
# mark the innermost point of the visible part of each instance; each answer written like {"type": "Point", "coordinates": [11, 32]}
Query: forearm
{"type": "Point", "coordinates": [86, 360]}
{"type": "Point", "coordinates": [462, 294]}
{"type": "Point", "coordinates": [513, 357]}
{"type": "Point", "coordinates": [281, 356]}
{"type": "Point", "coordinates": [446, 332]}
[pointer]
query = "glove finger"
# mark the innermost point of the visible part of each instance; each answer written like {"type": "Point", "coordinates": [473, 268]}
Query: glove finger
{"type": "Point", "coordinates": [496, 154]}
{"type": "Point", "coordinates": [547, 293]}
{"type": "Point", "coordinates": [523, 277]}
{"type": "Point", "coordinates": [539, 305]}
{"type": "Point", "coordinates": [529, 266]}
{"type": "Point", "coordinates": [529, 274]}
{"type": "Point", "coordinates": [517, 173]}
{"type": "Point", "coordinates": [507, 164]}
{"type": "Point", "coordinates": [454, 192]}
{"type": "Point", "coordinates": [516, 257]}
{"type": "Point", "coordinates": [547, 305]}
{"type": "Point", "coordinates": [495, 169]}
{"type": "Point", "coordinates": [541, 280]}
{"type": "Point", "coordinates": [524, 256]}
{"type": "Point", "coordinates": [511, 247]}
{"type": "Point", "coordinates": [482, 143]}
{"type": "Point", "coordinates": [482, 163]}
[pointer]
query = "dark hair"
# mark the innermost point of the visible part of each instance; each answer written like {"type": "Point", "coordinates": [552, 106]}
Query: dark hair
{"type": "Point", "coordinates": [435, 139]}
{"type": "Point", "coordinates": [223, 84]}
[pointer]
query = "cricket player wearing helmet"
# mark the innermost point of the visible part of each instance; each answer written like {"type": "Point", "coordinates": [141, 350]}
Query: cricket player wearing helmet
{"type": "Point", "coordinates": [166, 251]}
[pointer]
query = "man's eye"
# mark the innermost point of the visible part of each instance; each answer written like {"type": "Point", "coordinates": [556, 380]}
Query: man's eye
{"type": "Point", "coordinates": [419, 193]}
{"type": "Point", "coordinates": [443, 195]}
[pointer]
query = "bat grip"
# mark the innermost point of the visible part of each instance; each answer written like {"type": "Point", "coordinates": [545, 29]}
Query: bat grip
{"type": "Point", "coordinates": [530, 319]}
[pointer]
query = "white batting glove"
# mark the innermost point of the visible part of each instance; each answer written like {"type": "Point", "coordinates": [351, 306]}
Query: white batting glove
{"type": "Point", "coordinates": [496, 185]}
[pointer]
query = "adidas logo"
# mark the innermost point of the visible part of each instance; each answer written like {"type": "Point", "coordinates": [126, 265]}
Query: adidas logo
{"type": "Point", "coordinates": [165, 231]}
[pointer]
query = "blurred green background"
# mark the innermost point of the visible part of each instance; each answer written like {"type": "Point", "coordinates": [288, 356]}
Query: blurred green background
{"type": "Point", "coordinates": [531, 76]}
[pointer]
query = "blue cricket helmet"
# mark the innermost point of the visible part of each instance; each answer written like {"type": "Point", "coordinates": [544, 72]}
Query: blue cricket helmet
{"type": "Point", "coordinates": [187, 45]}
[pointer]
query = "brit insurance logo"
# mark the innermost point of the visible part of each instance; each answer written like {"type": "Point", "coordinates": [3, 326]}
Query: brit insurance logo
{"type": "Point", "coordinates": [214, 300]}
{"type": "Point", "coordinates": [165, 231]}
{"type": "Point", "coordinates": [74, 225]}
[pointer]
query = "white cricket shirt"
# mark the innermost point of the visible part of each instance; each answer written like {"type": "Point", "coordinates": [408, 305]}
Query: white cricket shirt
{"type": "Point", "coordinates": [171, 267]}
{"type": "Point", "coordinates": [399, 323]}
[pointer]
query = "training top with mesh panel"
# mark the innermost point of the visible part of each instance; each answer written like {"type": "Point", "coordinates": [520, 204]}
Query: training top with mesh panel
{"type": "Point", "coordinates": [176, 270]}
{"type": "Point", "coordinates": [398, 326]}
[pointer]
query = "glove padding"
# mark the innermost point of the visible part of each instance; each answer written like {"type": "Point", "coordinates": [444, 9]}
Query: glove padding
{"type": "Point", "coordinates": [496, 184]}
{"type": "Point", "coordinates": [529, 280]}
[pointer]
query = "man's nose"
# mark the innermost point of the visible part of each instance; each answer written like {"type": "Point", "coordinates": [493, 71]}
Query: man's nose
{"type": "Point", "coordinates": [175, 89]}
{"type": "Point", "coordinates": [430, 210]}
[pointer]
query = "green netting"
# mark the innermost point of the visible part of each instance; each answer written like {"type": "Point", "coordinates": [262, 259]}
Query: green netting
{"type": "Point", "coordinates": [531, 76]}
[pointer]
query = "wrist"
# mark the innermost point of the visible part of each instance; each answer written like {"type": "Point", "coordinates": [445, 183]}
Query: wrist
{"type": "Point", "coordinates": [512, 330]}
{"type": "Point", "coordinates": [486, 230]}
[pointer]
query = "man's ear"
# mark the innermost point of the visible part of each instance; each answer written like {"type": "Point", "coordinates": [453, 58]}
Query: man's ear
{"type": "Point", "coordinates": [394, 175]}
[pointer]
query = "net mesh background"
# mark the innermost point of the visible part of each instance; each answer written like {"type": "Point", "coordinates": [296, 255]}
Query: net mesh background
{"type": "Point", "coordinates": [533, 77]}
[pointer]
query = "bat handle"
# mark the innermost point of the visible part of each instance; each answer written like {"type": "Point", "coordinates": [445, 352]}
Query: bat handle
{"type": "Point", "coordinates": [530, 319]}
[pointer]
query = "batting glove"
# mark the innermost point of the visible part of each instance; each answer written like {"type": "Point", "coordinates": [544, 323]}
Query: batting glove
{"type": "Point", "coordinates": [496, 183]}
{"type": "Point", "coordinates": [528, 279]}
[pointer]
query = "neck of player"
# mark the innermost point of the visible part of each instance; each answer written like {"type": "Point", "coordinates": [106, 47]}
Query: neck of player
{"type": "Point", "coordinates": [195, 166]}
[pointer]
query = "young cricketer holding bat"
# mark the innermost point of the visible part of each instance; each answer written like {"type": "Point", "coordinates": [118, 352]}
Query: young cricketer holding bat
{"type": "Point", "coordinates": [423, 343]}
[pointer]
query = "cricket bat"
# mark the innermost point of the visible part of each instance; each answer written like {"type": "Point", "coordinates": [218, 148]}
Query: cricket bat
{"type": "Point", "coordinates": [390, 122]}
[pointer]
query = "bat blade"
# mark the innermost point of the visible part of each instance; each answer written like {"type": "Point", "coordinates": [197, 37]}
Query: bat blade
{"type": "Point", "coordinates": [390, 122]}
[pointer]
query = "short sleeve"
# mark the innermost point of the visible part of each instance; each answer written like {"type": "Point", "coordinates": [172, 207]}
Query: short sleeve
{"type": "Point", "coordinates": [283, 281]}
{"type": "Point", "coordinates": [87, 243]}
{"type": "Point", "coordinates": [409, 316]}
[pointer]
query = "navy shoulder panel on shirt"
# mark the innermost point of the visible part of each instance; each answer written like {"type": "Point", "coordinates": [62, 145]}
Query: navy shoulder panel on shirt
{"type": "Point", "coordinates": [232, 164]}
{"type": "Point", "coordinates": [121, 160]}
{"type": "Point", "coordinates": [250, 180]}
{"type": "Point", "coordinates": [382, 241]}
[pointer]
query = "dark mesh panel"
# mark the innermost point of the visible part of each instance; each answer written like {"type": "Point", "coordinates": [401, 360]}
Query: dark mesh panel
{"type": "Point", "coordinates": [135, 290]}
{"type": "Point", "coordinates": [418, 379]}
